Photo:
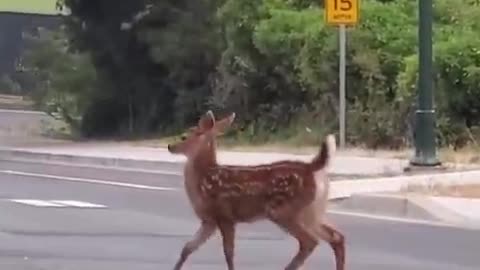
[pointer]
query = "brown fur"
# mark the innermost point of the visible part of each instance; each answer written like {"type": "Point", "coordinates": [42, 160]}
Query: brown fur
{"type": "Point", "coordinates": [291, 194]}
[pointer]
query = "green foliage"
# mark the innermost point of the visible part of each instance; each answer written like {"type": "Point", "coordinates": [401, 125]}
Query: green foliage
{"type": "Point", "coordinates": [159, 64]}
{"type": "Point", "coordinates": [457, 61]}
{"type": "Point", "coordinates": [293, 57]}
{"type": "Point", "coordinates": [65, 81]}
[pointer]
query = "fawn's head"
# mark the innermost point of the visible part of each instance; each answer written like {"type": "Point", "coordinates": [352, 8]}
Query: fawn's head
{"type": "Point", "coordinates": [201, 138]}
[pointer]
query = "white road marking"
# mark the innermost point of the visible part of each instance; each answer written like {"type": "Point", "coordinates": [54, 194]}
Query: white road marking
{"type": "Point", "coordinates": [87, 180]}
{"type": "Point", "coordinates": [39, 203]}
{"type": "Point", "coordinates": [79, 204]}
{"type": "Point", "coordinates": [57, 203]}
{"type": "Point", "coordinates": [102, 167]}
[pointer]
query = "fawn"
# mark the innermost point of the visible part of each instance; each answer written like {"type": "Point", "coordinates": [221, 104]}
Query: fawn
{"type": "Point", "coordinates": [291, 194]}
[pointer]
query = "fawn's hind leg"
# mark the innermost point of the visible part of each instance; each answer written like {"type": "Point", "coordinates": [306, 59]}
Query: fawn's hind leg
{"type": "Point", "coordinates": [336, 239]}
{"type": "Point", "coordinates": [227, 229]}
{"type": "Point", "coordinates": [314, 221]}
{"type": "Point", "coordinates": [306, 242]}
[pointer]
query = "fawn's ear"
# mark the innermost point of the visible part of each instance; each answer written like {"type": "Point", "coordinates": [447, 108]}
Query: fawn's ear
{"type": "Point", "coordinates": [207, 121]}
{"type": "Point", "coordinates": [225, 123]}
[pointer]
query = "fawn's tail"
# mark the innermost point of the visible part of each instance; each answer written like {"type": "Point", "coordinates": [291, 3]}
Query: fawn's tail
{"type": "Point", "coordinates": [323, 158]}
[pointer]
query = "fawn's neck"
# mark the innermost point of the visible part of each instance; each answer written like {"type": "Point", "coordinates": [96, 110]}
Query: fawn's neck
{"type": "Point", "coordinates": [205, 159]}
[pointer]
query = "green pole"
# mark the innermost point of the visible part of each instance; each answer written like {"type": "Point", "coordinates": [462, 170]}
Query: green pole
{"type": "Point", "coordinates": [425, 145]}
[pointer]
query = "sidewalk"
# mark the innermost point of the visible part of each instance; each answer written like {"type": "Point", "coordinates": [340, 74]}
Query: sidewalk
{"type": "Point", "coordinates": [342, 164]}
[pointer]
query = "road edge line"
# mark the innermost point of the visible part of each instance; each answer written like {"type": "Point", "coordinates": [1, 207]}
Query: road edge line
{"type": "Point", "coordinates": [87, 180]}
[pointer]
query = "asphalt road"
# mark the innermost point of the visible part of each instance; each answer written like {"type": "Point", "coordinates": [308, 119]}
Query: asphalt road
{"type": "Point", "coordinates": [139, 226]}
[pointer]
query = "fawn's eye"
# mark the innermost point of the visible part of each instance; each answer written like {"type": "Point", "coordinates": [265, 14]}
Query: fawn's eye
{"type": "Point", "coordinates": [183, 138]}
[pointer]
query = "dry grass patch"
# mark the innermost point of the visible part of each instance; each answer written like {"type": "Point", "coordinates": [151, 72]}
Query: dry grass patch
{"type": "Point", "coordinates": [464, 191]}
{"type": "Point", "coordinates": [276, 147]}
{"type": "Point", "coordinates": [15, 102]}
{"type": "Point", "coordinates": [467, 155]}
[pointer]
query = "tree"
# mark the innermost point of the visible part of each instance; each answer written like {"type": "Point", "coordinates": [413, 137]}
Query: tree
{"type": "Point", "coordinates": [64, 81]}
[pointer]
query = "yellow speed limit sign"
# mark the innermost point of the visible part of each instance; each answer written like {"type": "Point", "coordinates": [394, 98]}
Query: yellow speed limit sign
{"type": "Point", "coordinates": [341, 12]}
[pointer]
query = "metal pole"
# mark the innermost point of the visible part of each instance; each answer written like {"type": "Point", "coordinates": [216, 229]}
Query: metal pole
{"type": "Point", "coordinates": [342, 45]}
{"type": "Point", "coordinates": [425, 145]}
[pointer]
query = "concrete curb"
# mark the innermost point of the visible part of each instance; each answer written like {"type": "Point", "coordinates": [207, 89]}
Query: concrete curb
{"type": "Point", "coordinates": [409, 206]}
{"type": "Point", "coordinates": [160, 159]}
{"type": "Point", "coordinates": [405, 206]}
{"type": "Point", "coordinates": [347, 188]}
{"type": "Point", "coordinates": [163, 161]}
{"type": "Point", "coordinates": [24, 155]}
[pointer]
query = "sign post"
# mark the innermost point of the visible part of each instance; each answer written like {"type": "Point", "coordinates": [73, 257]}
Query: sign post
{"type": "Point", "coordinates": [342, 13]}
{"type": "Point", "coordinates": [342, 42]}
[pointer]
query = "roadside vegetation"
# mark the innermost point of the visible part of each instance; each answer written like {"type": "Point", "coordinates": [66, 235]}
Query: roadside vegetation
{"type": "Point", "coordinates": [148, 68]}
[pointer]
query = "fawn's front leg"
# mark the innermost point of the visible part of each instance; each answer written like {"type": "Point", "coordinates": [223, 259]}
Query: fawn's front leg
{"type": "Point", "coordinates": [205, 231]}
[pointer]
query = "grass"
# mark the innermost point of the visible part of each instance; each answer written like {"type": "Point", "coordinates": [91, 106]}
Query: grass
{"type": "Point", "coordinates": [44, 7]}
{"type": "Point", "coordinates": [463, 191]}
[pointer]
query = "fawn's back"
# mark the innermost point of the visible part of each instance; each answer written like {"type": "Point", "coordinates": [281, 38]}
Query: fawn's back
{"type": "Point", "coordinates": [245, 194]}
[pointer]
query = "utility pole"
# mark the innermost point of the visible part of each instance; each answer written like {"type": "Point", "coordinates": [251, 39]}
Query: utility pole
{"type": "Point", "coordinates": [425, 145]}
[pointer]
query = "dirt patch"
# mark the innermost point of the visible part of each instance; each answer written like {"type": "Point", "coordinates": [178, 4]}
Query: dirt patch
{"type": "Point", "coordinates": [464, 191]}
{"type": "Point", "coordinates": [10, 102]}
